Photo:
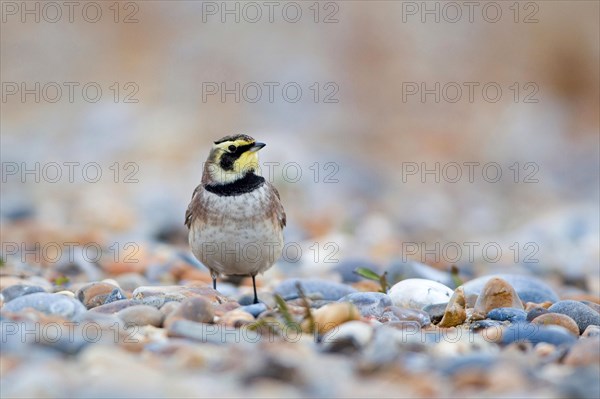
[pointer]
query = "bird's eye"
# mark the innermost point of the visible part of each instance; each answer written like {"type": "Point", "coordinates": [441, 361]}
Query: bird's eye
{"type": "Point", "coordinates": [232, 148]}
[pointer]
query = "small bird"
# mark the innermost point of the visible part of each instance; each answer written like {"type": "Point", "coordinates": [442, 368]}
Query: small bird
{"type": "Point", "coordinates": [235, 218]}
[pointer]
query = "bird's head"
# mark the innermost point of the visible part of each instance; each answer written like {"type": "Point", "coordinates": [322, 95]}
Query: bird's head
{"type": "Point", "coordinates": [231, 158]}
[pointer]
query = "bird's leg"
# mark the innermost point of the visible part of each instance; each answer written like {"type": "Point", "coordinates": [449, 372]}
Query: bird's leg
{"type": "Point", "coordinates": [214, 279]}
{"type": "Point", "coordinates": [254, 285]}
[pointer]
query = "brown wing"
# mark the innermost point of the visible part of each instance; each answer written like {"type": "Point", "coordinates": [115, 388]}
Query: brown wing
{"type": "Point", "coordinates": [194, 208]}
{"type": "Point", "coordinates": [278, 208]}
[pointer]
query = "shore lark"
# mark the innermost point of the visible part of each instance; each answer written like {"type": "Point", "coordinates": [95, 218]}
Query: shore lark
{"type": "Point", "coordinates": [235, 218]}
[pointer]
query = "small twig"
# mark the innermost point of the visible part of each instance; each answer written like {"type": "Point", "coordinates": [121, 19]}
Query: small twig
{"type": "Point", "coordinates": [289, 320]}
{"type": "Point", "coordinates": [308, 315]}
{"type": "Point", "coordinates": [384, 283]}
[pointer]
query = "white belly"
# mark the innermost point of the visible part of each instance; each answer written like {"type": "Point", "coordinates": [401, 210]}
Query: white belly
{"type": "Point", "coordinates": [239, 235]}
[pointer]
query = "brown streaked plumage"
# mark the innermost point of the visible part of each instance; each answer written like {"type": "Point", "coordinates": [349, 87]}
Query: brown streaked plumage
{"type": "Point", "coordinates": [235, 217]}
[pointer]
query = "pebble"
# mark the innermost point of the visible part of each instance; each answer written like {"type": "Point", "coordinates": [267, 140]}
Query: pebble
{"type": "Point", "coordinates": [416, 293]}
{"type": "Point", "coordinates": [384, 347]}
{"type": "Point", "coordinates": [348, 338]}
{"type": "Point", "coordinates": [331, 316]}
{"type": "Point", "coordinates": [141, 315]}
{"type": "Point", "coordinates": [496, 293]}
{"type": "Point", "coordinates": [529, 289]}
{"type": "Point", "coordinates": [591, 331]}
{"type": "Point", "coordinates": [236, 318]}
{"type": "Point", "coordinates": [156, 301]}
{"type": "Point", "coordinates": [66, 293]}
{"type": "Point", "coordinates": [228, 289]}
{"type": "Point", "coordinates": [582, 314]}
{"type": "Point", "coordinates": [52, 332]}
{"type": "Point", "coordinates": [254, 309]}
{"type": "Point", "coordinates": [436, 311]}
{"type": "Point", "coordinates": [195, 309]}
{"type": "Point", "coordinates": [557, 319]}
{"type": "Point", "coordinates": [585, 353]}
{"type": "Point", "coordinates": [52, 304]}
{"type": "Point", "coordinates": [535, 312]}
{"type": "Point", "coordinates": [212, 333]}
{"type": "Point", "coordinates": [368, 303]}
{"type": "Point", "coordinates": [456, 342]}
{"type": "Point", "coordinates": [525, 332]}
{"type": "Point", "coordinates": [396, 317]}
{"type": "Point", "coordinates": [544, 350]}
{"type": "Point", "coordinates": [470, 363]}
{"type": "Point", "coordinates": [223, 308]}
{"type": "Point", "coordinates": [105, 321]}
{"type": "Point", "coordinates": [109, 329]}
{"type": "Point", "coordinates": [17, 290]}
{"type": "Point", "coordinates": [483, 324]}
{"type": "Point", "coordinates": [592, 305]}
{"type": "Point", "coordinates": [314, 289]}
{"type": "Point", "coordinates": [582, 383]}
{"type": "Point", "coordinates": [455, 313]}
{"type": "Point", "coordinates": [507, 314]}
{"type": "Point", "coordinates": [116, 306]}
{"type": "Point", "coordinates": [247, 299]}
{"type": "Point", "coordinates": [160, 294]}
{"type": "Point", "coordinates": [169, 308]}
{"type": "Point", "coordinates": [98, 293]}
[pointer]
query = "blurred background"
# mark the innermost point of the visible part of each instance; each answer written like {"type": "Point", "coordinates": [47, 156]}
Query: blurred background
{"type": "Point", "coordinates": [367, 109]}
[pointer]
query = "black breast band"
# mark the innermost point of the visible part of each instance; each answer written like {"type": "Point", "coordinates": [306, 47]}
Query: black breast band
{"type": "Point", "coordinates": [247, 184]}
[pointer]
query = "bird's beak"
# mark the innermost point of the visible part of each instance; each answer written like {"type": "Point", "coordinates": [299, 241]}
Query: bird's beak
{"type": "Point", "coordinates": [256, 147]}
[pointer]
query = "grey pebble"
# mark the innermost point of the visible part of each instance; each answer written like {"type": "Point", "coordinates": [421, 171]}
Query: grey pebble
{"type": "Point", "coordinates": [507, 314]}
{"type": "Point", "coordinates": [582, 314]}
{"type": "Point", "coordinates": [195, 309]}
{"type": "Point", "coordinates": [347, 338]}
{"type": "Point", "coordinates": [535, 312]}
{"type": "Point", "coordinates": [466, 363]}
{"type": "Point", "coordinates": [435, 311]}
{"type": "Point", "coordinates": [52, 304]}
{"type": "Point", "coordinates": [402, 316]}
{"type": "Point", "coordinates": [211, 333]}
{"type": "Point", "coordinates": [525, 332]}
{"type": "Point", "coordinates": [254, 309]}
{"type": "Point", "coordinates": [582, 383]}
{"type": "Point", "coordinates": [481, 324]}
{"type": "Point", "coordinates": [313, 288]}
{"type": "Point", "coordinates": [116, 306]}
{"type": "Point", "coordinates": [368, 303]}
{"type": "Point", "coordinates": [17, 290]}
{"type": "Point", "coordinates": [141, 315]}
{"type": "Point", "coordinates": [592, 305]}
{"type": "Point", "coordinates": [155, 301]}
{"type": "Point", "coordinates": [591, 332]}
